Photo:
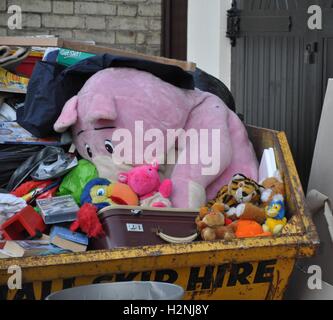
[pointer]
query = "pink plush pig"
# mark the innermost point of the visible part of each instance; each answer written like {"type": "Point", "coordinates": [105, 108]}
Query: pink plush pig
{"type": "Point", "coordinates": [145, 182]}
{"type": "Point", "coordinates": [119, 108]}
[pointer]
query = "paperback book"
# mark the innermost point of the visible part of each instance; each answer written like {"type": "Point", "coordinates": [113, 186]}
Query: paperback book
{"type": "Point", "coordinates": [68, 240]}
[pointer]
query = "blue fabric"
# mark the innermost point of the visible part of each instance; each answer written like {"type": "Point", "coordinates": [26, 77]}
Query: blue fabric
{"type": "Point", "coordinates": [52, 56]}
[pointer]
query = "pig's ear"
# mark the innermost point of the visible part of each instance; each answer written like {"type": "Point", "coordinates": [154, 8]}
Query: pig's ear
{"type": "Point", "coordinates": [123, 177]}
{"type": "Point", "coordinates": [68, 116]}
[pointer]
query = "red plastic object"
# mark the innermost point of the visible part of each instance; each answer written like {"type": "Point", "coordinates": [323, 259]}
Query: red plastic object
{"type": "Point", "coordinates": [49, 194]}
{"type": "Point", "coordinates": [24, 224]}
{"type": "Point", "coordinates": [28, 186]}
{"type": "Point", "coordinates": [26, 67]}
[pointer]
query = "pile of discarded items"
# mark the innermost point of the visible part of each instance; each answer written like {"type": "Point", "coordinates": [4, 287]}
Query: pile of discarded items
{"type": "Point", "coordinates": [60, 173]}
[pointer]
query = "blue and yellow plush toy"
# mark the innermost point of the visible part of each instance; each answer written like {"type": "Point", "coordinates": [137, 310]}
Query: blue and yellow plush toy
{"type": "Point", "coordinates": [275, 213]}
{"type": "Point", "coordinates": [102, 193]}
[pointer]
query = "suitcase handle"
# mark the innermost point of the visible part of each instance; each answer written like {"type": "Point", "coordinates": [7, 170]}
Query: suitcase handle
{"type": "Point", "coordinates": [172, 239]}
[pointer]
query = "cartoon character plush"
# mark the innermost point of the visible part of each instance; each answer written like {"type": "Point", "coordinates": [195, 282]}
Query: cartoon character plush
{"type": "Point", "coordinates": [102, 193]}
{"type": "Point", "coordinates": [241, 198]}
{"type": "Point", "coordinates": [275, 212]}
{"type": "Point", "coordinates": [145, 182]}
{"type": "Point", "coordinates": [137, 101]}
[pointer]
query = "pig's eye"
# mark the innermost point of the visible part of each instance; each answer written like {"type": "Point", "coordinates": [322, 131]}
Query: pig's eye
{"type": "Point", "coordinates": [108, 146]}
{"type": "Point", "coordinates": [88, 150]}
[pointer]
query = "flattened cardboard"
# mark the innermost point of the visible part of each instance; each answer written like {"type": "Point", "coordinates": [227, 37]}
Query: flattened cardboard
{"type": "Point", "coordinates": [84, 47]}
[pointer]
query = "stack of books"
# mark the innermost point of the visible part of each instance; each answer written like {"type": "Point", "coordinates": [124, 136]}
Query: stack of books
{"type": "Point", "coordinates": [28, 248]}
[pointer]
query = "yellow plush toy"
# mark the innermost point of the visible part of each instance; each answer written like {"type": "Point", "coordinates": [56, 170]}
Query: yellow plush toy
{"type": "Point", "coordinates": [275, 212]}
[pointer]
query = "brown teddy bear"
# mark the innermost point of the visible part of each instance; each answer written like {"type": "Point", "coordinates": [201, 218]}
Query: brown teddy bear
{"type": "Point", "coordinates": [272, 187]}
{"type": "Point", "coordinates": [211, 224]}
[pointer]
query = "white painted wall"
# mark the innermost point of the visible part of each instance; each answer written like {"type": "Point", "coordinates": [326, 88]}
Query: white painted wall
{"type": "Point", "coordinates": [207, 44]}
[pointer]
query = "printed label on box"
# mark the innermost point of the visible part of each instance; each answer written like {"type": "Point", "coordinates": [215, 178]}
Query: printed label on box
{"type": "Point", "coordinates": [134, 227]}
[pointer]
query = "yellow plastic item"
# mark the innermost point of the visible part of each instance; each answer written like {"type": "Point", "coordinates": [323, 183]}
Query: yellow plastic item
{"type": "Point", "coordinates": [10, 82]}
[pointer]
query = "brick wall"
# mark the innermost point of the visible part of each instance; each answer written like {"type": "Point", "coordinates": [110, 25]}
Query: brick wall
{"type": "Point", "coordinates": [129, 24]}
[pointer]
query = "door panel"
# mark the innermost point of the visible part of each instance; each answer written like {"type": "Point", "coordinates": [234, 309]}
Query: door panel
{"type": "Point", "coordinates": [276, 84]}
{"type": "Point", "coordinates": [174, 29]}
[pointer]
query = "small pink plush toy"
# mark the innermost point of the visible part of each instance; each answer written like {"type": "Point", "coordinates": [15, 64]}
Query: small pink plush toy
{"type": "Point", "coordinates": [145, 182]}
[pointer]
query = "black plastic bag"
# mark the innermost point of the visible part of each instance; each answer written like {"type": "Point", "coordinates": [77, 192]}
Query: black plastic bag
{"type": "Point", "coordinates": [24, 171]}
{"type": "Point", "coordinates": [54, 167]}
{"type": "Point", "coordinates": [11, 157]}
{"type": "Point", "coordinates": [207, 82]}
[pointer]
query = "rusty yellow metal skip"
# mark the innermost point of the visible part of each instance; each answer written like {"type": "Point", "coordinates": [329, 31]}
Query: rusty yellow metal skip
{"type": "Point", "coordinates": [256, 268]}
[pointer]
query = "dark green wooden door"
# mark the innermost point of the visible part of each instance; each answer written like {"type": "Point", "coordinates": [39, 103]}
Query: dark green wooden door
{"type": "Point", "coordinates": [280, 69]}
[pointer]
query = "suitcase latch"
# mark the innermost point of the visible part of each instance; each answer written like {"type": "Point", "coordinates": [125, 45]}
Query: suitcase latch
{"type": "Point", "coordinates": [136, 212]}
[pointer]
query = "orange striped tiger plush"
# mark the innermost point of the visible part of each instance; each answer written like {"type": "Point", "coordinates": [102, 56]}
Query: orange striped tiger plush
{"type": "Point", "coordinates": [241, 198]}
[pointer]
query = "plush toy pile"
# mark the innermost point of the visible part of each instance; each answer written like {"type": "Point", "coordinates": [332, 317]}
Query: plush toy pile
{"type": "Point", "coordinates": [135, 101]}
{"type": "Point", "coordinates": [83, 181]}
{"type": "Point", "coordinates": [244, 209]}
